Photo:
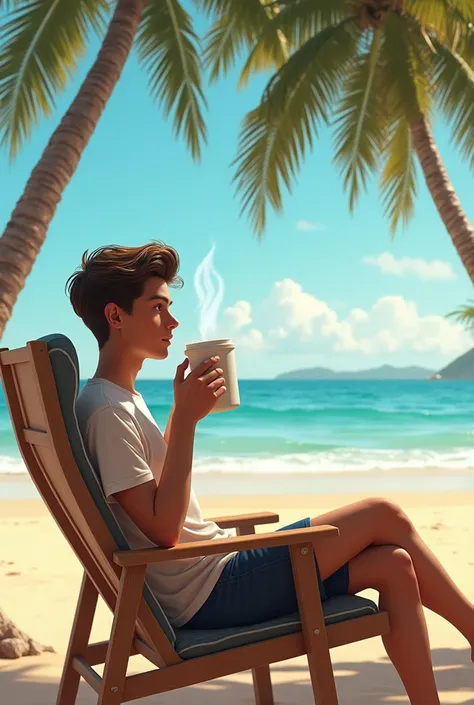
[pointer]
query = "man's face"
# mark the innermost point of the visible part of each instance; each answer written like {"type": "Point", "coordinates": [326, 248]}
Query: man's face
{"type": "Point", "coordinates": [151, 322]}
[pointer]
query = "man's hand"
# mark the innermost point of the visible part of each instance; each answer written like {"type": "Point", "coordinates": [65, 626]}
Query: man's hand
{"type": "Point", "coordinates": [198, 393]}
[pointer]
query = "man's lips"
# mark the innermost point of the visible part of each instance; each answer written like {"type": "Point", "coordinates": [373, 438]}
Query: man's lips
{"type": "Point", "coordinates": [168, 340]}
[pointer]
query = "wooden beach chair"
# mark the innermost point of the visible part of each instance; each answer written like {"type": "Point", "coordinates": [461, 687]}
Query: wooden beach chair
{"type": "Point", "coordinates": [41, 384]}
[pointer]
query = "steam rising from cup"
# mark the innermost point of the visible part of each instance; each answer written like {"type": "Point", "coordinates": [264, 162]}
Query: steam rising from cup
{"type": "Point", "coordinates": [209, 299]}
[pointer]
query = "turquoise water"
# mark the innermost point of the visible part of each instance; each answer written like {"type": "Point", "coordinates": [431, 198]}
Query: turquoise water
{"type": "Point", "coordinates": [307, 426]}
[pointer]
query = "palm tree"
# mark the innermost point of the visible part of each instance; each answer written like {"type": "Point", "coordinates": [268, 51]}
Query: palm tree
{"type": "Point", "coordinates": [376, 70]}
{"type": "Point", "coordinates": [41, 42]}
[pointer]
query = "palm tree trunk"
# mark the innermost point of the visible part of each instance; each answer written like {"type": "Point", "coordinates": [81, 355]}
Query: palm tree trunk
{"type": "Point", "coordinates": [443, 193]}
{"type": "Point", "coordinates": [27, 228]}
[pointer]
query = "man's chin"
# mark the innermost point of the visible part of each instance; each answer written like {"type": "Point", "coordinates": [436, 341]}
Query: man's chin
{"type": "Point", "coordinates": [160, 354]}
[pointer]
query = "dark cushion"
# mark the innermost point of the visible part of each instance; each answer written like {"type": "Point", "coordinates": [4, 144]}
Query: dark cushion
{"type": "Point", "coordinates": [191, 643]}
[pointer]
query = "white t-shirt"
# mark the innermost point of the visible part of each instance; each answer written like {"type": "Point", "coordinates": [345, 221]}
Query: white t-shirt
{"type": "Point", "coordinates": [127, 448]}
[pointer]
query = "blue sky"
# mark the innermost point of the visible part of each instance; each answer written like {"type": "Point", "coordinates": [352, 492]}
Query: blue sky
{"type": "Point", "coordinates": [323, 287]}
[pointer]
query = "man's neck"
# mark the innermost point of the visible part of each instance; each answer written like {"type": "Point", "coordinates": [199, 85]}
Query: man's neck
{"type": "Point", "coordinates": [119, 369]}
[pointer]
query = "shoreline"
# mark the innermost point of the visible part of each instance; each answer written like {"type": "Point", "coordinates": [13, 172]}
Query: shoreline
{"type": "Point", "coordinates": [368, 482]}
{"type": "Point", "coordinates": [227, 504]}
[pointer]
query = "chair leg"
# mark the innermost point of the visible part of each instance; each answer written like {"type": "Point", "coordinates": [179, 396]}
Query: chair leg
{"type": "Point", "coordinates": [78, 641]}
{"type": "Point", "coordinates": [322, 678]}
{"type": "Point", "coordinates": [121, 638]}
{"type": "Point", "coordinates": [262, 684]}
{"type": "Point", "coordinates": [312, 624]}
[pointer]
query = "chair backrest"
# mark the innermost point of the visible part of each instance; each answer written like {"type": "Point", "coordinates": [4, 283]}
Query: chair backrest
{"type": "Point", "coordinates": [41, 383]}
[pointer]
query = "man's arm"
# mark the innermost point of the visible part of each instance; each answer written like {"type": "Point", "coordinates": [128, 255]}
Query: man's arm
{"type": "Point", "coordinates": [159, 511]}
{"type": "Point", "coordinates": [168, 425]}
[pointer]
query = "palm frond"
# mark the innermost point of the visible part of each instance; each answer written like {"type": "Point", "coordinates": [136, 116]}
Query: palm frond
{"type": "Point", "coordinates": [406, 68]}
{"type": "Point", "coordinates": [289, 26]}
{"type": "Point", "coordinates": [398, 180]}
{"type": "Point", "coordinates": [301, 19]}
{"type": "Point", "coordinates": [360, 135]}
{"type": "Point", "coordinates": [448, 19]}
{"type": "Point", "coordinates": [243, 24]}
{"type": "Point", "coordinates": [41, 42]}
{"type": "Point", "coordinates": [167, 47]}
{"type": "Point", "coordinates": [454, 84]}
{"type": "Point", "coordinates": [465, 46]}
{"type": "Point", "coordinates": [464, 315]}
{"type": "Point", "coordinates": [275, 135]}
{"type": "Point", "coordinates": [440, 15]}
{"type": "Point", "coordinates": [265, 55]}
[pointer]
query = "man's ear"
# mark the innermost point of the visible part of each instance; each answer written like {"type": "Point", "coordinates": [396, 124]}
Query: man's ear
{"type": "Point", "coordinates": [112, 314]}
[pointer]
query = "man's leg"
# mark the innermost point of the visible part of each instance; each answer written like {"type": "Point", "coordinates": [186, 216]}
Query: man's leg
{"type": "Point", "coordinates": [389, 569]}
{"type": "Point", "coordinates": [375, 522]}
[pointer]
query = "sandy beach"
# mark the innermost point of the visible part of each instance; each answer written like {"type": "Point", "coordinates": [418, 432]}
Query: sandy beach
{"type": "Point", "coordinates": [40, 577]}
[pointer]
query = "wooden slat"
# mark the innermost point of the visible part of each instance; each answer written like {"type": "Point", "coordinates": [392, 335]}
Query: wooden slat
{"type": "Point", "coordinates": [206, 668]}
{"type": "Point", "coordinates": [88, 673]}
{"type": "Point", "coordinates": [312, 624]}
{"type": "Point", "coordinates": [357, 629]}
{"type": "Point", "coordinates": [146, 651]}
{"type": "Point", "coordinates": [232, 522]}
{"type": "Point", "coordinates": [217, 546]}
{"type": "Point", "coordinates": [37, 438]}
{"type": "Point", "coordinates": [96, 653]}
{"type": "Point", "coordinates": [12, 357]}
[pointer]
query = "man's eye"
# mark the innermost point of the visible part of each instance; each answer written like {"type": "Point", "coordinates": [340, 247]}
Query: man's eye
{"type": "Point", "coordinates": [158, 306]}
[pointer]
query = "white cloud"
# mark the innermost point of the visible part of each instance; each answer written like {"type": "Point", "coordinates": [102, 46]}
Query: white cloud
{"type": "Point", "coordinates": [307, 226]}
{"type": "Point", "coordinates": [239, 315]}
{"type": "Point", "coordinates": [405, 266]}
{"type": "Point", "coordinates": [292, 321]}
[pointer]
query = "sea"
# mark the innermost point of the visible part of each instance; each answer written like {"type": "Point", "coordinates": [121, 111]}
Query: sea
{"type": "Point", "coordinates": [313, 436]}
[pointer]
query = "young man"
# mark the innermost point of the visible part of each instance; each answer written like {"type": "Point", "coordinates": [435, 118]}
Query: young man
{"type": "Point", "coordinates": [122, 295]}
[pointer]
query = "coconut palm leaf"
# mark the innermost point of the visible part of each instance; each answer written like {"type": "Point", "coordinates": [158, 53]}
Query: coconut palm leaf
{"type": "Point", "coordinates": [445, 20]}
{"type": "Point", "coordinates": [168, 49]}
{"type": "Point", "coordinates": [41, 42]}
{"type": "Point", "coordinates": [290, 26]}
{"type": "Point", "coordinates": [242, 24]}
{"type": "Point", "coordinates": [301, 19]}
{"type": "Point", "coordinates": [360, 132]}
{"type": "Point", "coordinates": [442, 16]}
{"type": "Point", "coordinates": [275, 135]}
{"type": "Point", "coordinates": [464, 314]}
{"type": "Point", "coordinates": [406, 69]}
{"type": "Point", "coordinates": [454, 85]}
{"type": "Point", "coordinates": [398, 180]}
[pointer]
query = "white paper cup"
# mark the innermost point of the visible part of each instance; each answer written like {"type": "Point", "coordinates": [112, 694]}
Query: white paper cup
{"type": "Point", "coordinates": [198, 352]}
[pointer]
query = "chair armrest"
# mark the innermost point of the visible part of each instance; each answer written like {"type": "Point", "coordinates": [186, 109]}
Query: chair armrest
{"type": "Point", "coordinates": [233, 522]}
{"type": "Point", "coordinates": [195, 549]}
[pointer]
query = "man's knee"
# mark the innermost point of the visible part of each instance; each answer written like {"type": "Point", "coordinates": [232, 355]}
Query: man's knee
{"type": "Point", "coordinates": [396, 566]}
{"type": "Point", "coordinates": [390, 515]}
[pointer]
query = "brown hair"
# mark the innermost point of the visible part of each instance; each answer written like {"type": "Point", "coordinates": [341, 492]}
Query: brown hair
{"type": "Point", "coordinates": [117, 274]}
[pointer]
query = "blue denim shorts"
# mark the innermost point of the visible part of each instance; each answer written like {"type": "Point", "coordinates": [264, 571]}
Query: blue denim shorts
{"type": "Point", "coordinates": [257, 585]}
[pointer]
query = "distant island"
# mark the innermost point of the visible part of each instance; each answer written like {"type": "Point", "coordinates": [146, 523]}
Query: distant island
{"type": "Point", "coordinates": [460, 368]}
{"type": "Point", "coordinates": [376, 373]}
